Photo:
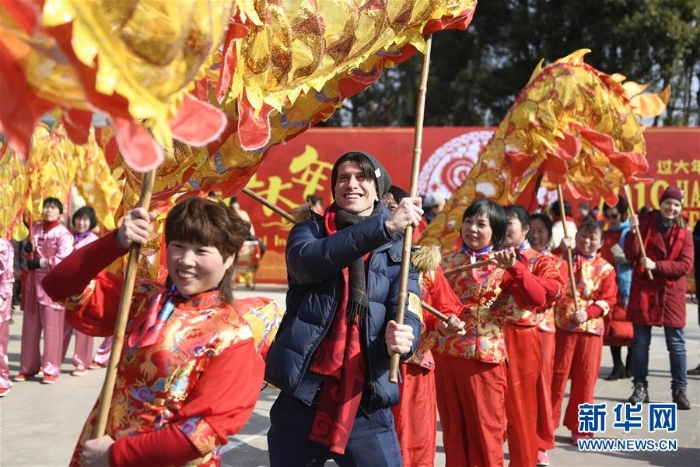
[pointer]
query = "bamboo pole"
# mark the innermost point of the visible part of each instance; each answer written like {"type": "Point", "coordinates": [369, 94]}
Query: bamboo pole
{"type": "Point", "coordinates": [467, 267]}
{"type": "Point", "coordinates": [640, 240]}
{"type": "Point", "coordinates": [268, 204]}
{"type": "Point", "coordinates": [434, 311]}
{"type": "Point", "coordinates": [122, 316]}
{"type": "Point", "coordinates": [408, 234]}
{"type": "Point", "coordinates": [569, 253]}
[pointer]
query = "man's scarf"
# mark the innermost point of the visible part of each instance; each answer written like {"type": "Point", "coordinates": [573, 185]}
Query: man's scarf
{"type": "Point", "coordinates": [358, 302]}
{"type": "Point", "coordinates": [340, 356]}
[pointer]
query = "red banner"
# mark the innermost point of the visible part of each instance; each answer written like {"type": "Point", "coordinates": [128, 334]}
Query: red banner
{"type": "Point", "coordinates": [302, 167]}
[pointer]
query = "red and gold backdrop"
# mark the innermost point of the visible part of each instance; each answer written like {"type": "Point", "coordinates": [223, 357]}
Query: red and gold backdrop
{"type": "Point", "coordinates": [303, 165]}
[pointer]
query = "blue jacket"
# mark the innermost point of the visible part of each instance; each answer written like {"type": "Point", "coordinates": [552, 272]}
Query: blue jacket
{"type": "Point", "coordinates": [314, 267]}
{"type": "Point", "coordinates": [623, 270]}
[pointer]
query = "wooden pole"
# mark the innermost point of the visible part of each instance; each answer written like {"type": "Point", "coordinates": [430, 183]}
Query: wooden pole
{"type": "Point", "coordinates": [408, 234]}
{"type": "Point", "coordinates": [434, 311]}
{"type": "Point", "coordinates": [122, 316]}
{"type": "Point", "coordinates": [467, 267]}
{"type": "Point", "coordinates": [640, 240]}
{"type": "Point", "coordinates": [569, 253]}
{"type": "Point", "coordinates": [268, 204]}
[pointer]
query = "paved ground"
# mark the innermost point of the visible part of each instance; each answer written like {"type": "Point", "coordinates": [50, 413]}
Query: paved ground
{"type": "Point", "coordinates": [39, 424]}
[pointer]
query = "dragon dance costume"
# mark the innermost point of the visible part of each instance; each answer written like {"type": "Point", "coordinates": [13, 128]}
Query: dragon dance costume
{"type": "Point", "coordinates": [470, 373]}
{"type": "Point", "coordinates": [189, 373]}
{"type": "Point", "coordinates": [525, 361]}
{"type": "Point", "coordinates": [579, 346]}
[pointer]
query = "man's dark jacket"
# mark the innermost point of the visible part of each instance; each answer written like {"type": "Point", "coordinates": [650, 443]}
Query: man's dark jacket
{"type": "Point", "coordinates": [314, 265]}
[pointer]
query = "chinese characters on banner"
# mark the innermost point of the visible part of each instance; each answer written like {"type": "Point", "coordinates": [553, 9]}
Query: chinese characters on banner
{"type": "Point", "coordinates": [302, 167]}
{"type": "Point", "coordinates": [674, 159]}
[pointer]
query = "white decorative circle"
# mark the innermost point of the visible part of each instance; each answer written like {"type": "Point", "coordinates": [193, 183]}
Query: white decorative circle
{"type": "Point", "coordinates": [450, 164]}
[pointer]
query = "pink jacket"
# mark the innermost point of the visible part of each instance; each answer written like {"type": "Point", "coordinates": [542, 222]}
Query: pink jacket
{"type": "Point", "coordinates": [7, 277]}
{"type": "Point", "coordinates": [53, 246]}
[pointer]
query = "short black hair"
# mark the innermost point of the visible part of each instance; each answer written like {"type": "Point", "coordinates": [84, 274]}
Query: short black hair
{"type": "Point", "coordinates": [518, 212]}
{"type": "Point", "coordinates": [554, 208]}
{"type": "Point", "coordinates": [85, 211]}
{"type": "Point", "coordinates": [51, 201]}
{"type": "Point", "coordinates": [313, 199]}
{"type": "Point", "coordinates": [590, 226]}
{"type": "Point", "coordinates": [621, 206]}
{"type": "Point", "coordinates": [546, 220]}
{"type": "Point", "coordinates": [496, 215]}
{"type": "Point", "coordinates": [397, 193]}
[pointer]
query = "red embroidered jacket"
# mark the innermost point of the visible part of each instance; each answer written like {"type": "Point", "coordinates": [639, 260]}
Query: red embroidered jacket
{"type": "Point", "coordinates": [544, 267]}
{"type": "Point", "coordinates": [177, 398]}
{"type": "Point", "coordinates": [484, 292]}
{"type": "Point", "coordinates": [596, 286]}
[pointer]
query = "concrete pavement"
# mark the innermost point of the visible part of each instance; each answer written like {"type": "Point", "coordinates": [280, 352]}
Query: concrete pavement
{"type": "Point", "coordinates": [39, 424]}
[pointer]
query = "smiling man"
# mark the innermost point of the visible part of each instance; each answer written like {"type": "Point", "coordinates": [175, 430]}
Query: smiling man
{"type": "Point", "coordinates": [331, 354]}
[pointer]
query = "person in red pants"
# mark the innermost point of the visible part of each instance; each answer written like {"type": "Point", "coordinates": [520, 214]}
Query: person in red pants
{"type": "Point", "coordinates": [539, 237]}
{"type": "Point", "coordinates": [415, 416]}
{"type": "Point", "coordinates": [523, 344]}
{"type": "Point", "coordinates": [580, 326]}
{"type": "Point", "coordinates": [470, 373]}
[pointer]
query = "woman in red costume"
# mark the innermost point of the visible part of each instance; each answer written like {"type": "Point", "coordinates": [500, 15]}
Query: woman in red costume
{"type": "Point", "coordinates": [523, 344]}
{"type": "Point", "coordinates": [580, 330]}
{"type": "Point", "coordinates": [415, 416]}
{"type": "Point", "coordinates": [189, 374]}
{"type": "Point", "coordinates": [540, 234]}
{"type": "Point", "coordinates": [470, 373]}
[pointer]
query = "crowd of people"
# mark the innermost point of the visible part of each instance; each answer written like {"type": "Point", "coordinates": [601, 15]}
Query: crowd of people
{"type": "Point", "coordinates": [525, 305]}
{"type": "Point", "coordinates": [520, 308]}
